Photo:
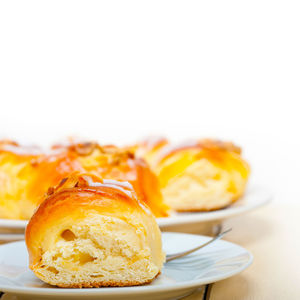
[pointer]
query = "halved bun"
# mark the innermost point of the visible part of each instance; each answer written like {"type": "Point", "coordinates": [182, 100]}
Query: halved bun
{"type": "Point", "coordinates": [90, 233]}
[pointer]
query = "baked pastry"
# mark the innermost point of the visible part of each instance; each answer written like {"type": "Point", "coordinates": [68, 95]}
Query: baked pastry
{"type": "Point", "coordinates": [26, 173]}
{"type": "Point", "coordinates": [201, 175]}
{"type": "Point", "coordinates": [91, 233]}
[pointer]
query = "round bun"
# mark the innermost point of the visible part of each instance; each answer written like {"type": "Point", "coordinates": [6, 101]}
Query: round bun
{"type": "Point", "coordinates": [201, 176]}
{"type": "Point", "coordinates": [90, 233]}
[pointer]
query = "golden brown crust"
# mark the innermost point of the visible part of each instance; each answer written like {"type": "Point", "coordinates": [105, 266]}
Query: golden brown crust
{"type": "Point", "coordinates": [99, 284]}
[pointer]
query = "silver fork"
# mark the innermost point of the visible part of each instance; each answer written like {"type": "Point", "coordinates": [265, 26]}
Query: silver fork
{"type": "Point", "coordinates": [170, 257]}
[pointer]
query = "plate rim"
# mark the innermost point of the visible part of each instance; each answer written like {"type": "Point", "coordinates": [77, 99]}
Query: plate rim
{"type": "Point", "coordinates": [107, 291]}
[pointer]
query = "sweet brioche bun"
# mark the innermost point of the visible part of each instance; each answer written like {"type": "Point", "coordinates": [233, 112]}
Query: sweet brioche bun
{"type": "Point", "coordinates": [202, 175]}
{"type": "Point", "coordinates": [93, 233]}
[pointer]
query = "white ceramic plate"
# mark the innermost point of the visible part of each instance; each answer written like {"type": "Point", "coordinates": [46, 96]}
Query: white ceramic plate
{"type": "Point", "coordinates": [180, 277]}
{"type": "Point", "coordinates": [254, 197]}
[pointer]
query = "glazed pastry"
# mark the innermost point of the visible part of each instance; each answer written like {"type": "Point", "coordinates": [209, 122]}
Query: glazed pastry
{"type": "Point", "coordinates": [26, 173]}
{"type": "Point", "coordinates": [90, 232]}
{"type": "Point", "coordinates": [201, 176]}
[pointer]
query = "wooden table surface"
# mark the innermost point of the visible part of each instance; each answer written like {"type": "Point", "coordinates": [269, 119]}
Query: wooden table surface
{"type": "Point", "coordinates": [272, 235]}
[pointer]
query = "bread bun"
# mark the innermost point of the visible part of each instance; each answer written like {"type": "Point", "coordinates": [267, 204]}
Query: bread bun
{"type": "Point", "coordinates": [91, 233]}
{"type": "Point", "coordinates": [201, 175]}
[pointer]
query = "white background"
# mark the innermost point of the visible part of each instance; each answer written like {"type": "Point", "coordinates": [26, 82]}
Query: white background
{"type": "Point", "coordinates": [118, 70]}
